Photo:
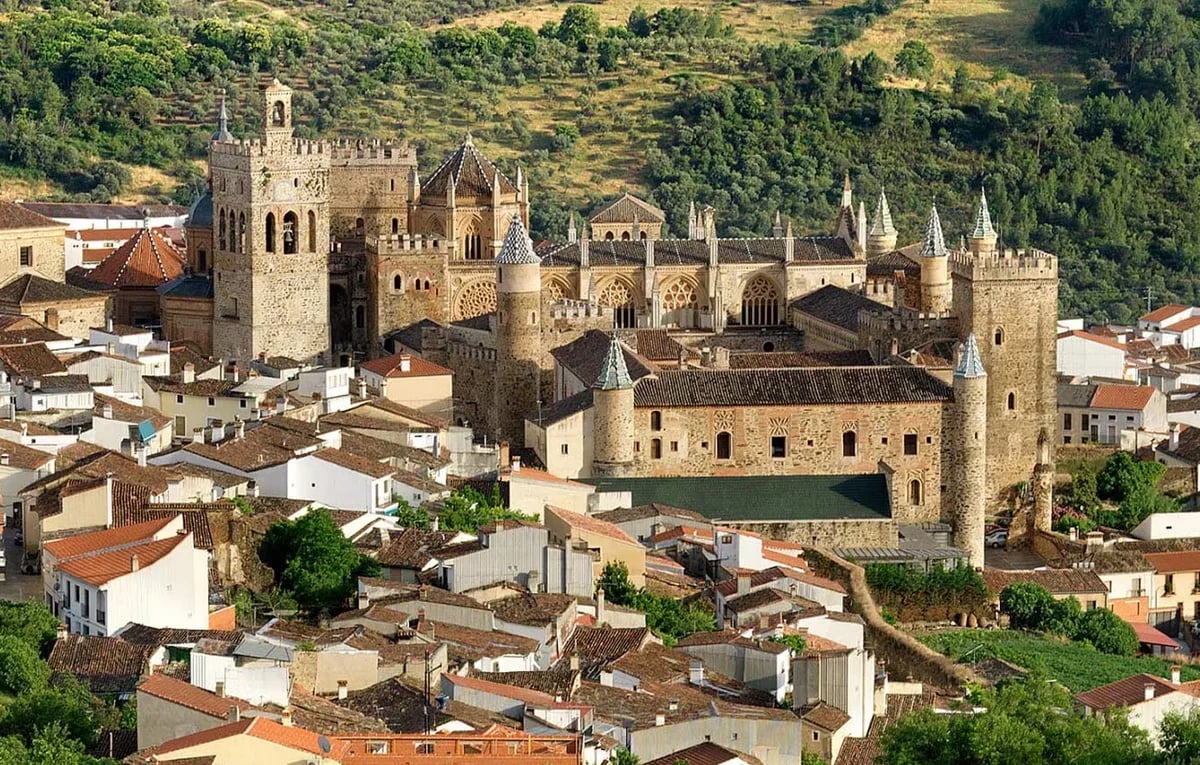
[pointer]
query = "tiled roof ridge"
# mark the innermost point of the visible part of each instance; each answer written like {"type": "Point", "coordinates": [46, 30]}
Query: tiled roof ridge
{"type": "Point", "coordinates": [151, 527]}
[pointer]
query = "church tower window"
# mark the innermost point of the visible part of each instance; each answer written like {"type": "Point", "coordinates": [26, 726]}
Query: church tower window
{"type": "Point", "coordinates": [270, 232]}
{"type": "Point", "coordinates": [290, 226]}
{"type": "Point", "coordinates": [914, 492]}
{"type": "Point", "coordinates": [312, 231]}
{"type": "Point", "coordinates": [279, 115]}
{"type": "Point", "coordinates": [221, 231]}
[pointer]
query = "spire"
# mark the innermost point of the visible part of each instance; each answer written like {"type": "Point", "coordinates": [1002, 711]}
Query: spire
{"type": "Point", "coordinates": [222, 132]}
{"type": "Point", "coordinates": [517, 249]}
{"type": "Point", "coordinates": [935, 243]}
{"type": "Point", "coordinates": [692, 220]}
{"type": "Point", "coordinates": [881, 223]}
{"type": "Point", "coordinates": [614, 375]}
{"type": "Point", "coordinates": [468, 141]}
{"type": "Point", "coordinates": [970, 365]}
{"type": "Point", "coordinates": [983, 219]}
{"type": "Point", "coordinates": [572, 236]}
{"type": "Point", "coordinates": [847, 192]}
{"type": "Point", "coordinates": [777, 229]}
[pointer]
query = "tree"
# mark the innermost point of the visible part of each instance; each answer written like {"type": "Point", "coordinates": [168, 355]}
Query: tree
{"type": "Point", "coordinates": [314, 561]}
{"type": "Point", "coordinates": [1107, 632]}
{"type": "Point", "coordinates": [411, 517]}
{"type": "Point", "coordinates": [639, 22]}
{"type": "Point", "coordinates": [914, 59]}
{"type": "Point", "coordinates": [1027, 604]}
{"type": "Point", "coordinates": [467, 509]}
{"type": "Point", "coordinates": [614, 580]}
{"type": "Point", "coordinates": [66, 702]}
{"type": "Point", "coordinates": [624, 757]}
{"type": "Point", "coordinates": [31, 622]}
{"type": "Point", "coordinates": [1179, 738]}
{"type": "Point", "coordinates": [579, 22]}
{"type": "Point", "coordinates": [21, 669]}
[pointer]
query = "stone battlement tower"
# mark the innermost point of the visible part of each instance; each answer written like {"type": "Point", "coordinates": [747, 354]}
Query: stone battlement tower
{"type": "Point", "coordinates": [271, 254]}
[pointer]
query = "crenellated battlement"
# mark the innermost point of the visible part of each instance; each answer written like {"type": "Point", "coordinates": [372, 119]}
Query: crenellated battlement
{"type": "Point", "coordinates": [398, 244]}
{"type": "Point", "coordinates": [255, 147]}
{"type": "Point", "coordinates": [1009, 265]}
{"type": "Point", "coordinates": [880, 324]}
{"type": "Point", "coordinates": [372, 152]}
{"type": "Point", "coordinates": [567, 308]}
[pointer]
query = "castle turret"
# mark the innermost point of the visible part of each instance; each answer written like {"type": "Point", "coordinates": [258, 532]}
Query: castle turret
{"type": "Point", "coordinates": [935, 268]}
{"type": "Point", "coordinates": [222, 132]}
{"type": "Point", "coordinates": [881, 237]}
{"type": "Point", "coordinates": [967, 465]}
{"type": "Point", "coordinates": [983, 238]}
{"type": "Point", "coordinates": [612, 423]}
{"type": "Point", "coordinates": [518, 333]}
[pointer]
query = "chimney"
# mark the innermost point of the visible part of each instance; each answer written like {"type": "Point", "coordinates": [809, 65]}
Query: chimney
{"type": "Point", "coordinates": [189, 373]}
{"type": "Point", "coordinates": [51, 319]}
{"type": "Point", "coordinates": [406, 361]}
{"type": "Point", "coordinates": [60, 632]}
{"type": "Point", "coordinates": [1073, 534]}
{"type": "Point", "coordinates": [108, 324]}
{"type": "Point", "coordinates": [342, 690]}
{"type": "Point", "coordinates": [4, 458]}
{"type": "Point", "coordinates": [660, 720]}
{"type": "Point", "coordinates": [360, 388]}
{"type": "Point", "coordinates": [1149, 691]}
{"type": "Point", "coordinates": [504, 460]}
{"type": "Point", "coordinates": [139, 453]}
{"type": "Point", "coordinates": [1094, 541]}
{"type": "Point", "coordinates": [110, 349]}
{"type": "Point", "coordinates": [106, 411]}
{"type": "Point", "coordinates": [516, 464]}
{"type": "Point", "coordinates": [133, 562]}
{"type": "Point", "coordinates": [435, 524]}
{"type": "Point", "coordinates": [743, 582]}
{"type": "Point", "coordinates": [895, 346]}
{"type": "Point", "coordinates": [235, 713]}
{"type": "Point", "coordinates": [364, 600]}
{"type": "Point", "coordinates": [1173, 443]}
{"type": "Point", "coordinates": [696, 673]}
{"type": "Point", "coordinates": [219, 688]}
{"type": "Point", "coordinates": [285, 717]}
{"type": "Point", "coordinates": [1175, 678]}
{"type": "Point", "coordinates": [239, 429]}
{"type": "Point", "coordinates": [574, 662]}
{"type": "Point", "coordinates": [600, 606]}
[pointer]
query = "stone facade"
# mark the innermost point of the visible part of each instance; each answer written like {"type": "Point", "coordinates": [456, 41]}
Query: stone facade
{"type": "Point", "coordinates": [518, 348]}
{"type": "Point", "coordinates": [36, 250]}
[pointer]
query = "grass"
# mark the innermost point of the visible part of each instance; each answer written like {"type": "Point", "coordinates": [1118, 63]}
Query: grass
{"type": "Point", "coordinates": [1077, 666]}
{"type": "Point", "coordinates": [988, 37]}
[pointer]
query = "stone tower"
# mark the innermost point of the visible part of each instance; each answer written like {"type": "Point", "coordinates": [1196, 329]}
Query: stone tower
{"type": "Point", "coordinates": [935, 268]}
{"type": "Point", "coordinates": [271, 230]}
{"type": "Point", "coordinates": [881, 237]}
{"type": "Point", "coordinates": [967, 474]}
{"type": "Point", "coordinates": [612, 412]}
{"type": "Point", "coordinates": [1009, 301]}
{"type": "Point", "coordinates": [518, 333]}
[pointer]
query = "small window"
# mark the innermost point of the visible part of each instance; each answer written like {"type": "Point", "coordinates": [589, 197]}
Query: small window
{"type": "Point", "coordinates": [656, 448]}
{"type": "Point", "coordinates": [727, 539]}
{"type": "Point", "coordinates": [1067, 421]}
{"type": "Point", "coordinates": [179, 398]}
{"type": "Point", "coordinates": [1091, 605]}
{"type": "Point", "coordinates": [1012, 402]}
{"type": "Point", "coordinates": [26, 256]}
{"type": "Point", "coordinates": [914, 492]}
{"type": "Point", "coordinates": [724, 446]}
{"type": "Point", "coordinates": [998, 337]}
{"type": "Point", "coordinates": [637, 446]}
{"type": "Point", "coordinates": [242, 403]}
{"type": "Point", "coordinates": [778, 447]}
{"type": "Point", "coordinates": [563, 449]}
{"type": "Point", "coordinates": [849, 444]}
{"type": "Point", "coordinates": [884, 440]}
{"type": "Point", "coordinates": [816, 736]}
{"type": "Point", "coordinates": [910, 443]}
{"type": "Point", "coordinates": [656, 420]}
{"type": "Point", "coordinates": [397, 283]}
{"type": "Point", "coordinates": [674, 446]}
{"type": "Point", "coordinates": [212, 401]}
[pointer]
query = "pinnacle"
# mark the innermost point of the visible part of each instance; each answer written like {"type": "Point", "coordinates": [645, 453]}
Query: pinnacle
{"type": "Point", "coordinates": [517, 248]}
{"type": "Point", "coordinates": [881, 222]}
{"type": "Point", "coordinates": [222, 132]}
{"type": "Point", "coordinates": [970, 365]}
{"type": "Point", "coordinates": [614, 375]}
{"type": "Point", "coordinates": [935, 242]}
{"type": "Point", "coordinates": [983, 219]}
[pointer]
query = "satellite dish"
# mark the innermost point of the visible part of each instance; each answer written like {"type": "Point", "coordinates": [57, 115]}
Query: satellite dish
{"type": "Point", "coordinates": [323, 742]}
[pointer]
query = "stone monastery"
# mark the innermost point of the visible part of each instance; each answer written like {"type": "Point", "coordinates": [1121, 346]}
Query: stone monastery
{"type": "Point", "coordinates": [617, 353]}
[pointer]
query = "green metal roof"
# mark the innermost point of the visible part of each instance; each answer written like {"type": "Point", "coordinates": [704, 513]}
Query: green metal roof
{"type": "Point", "coordinates": [763, 498]}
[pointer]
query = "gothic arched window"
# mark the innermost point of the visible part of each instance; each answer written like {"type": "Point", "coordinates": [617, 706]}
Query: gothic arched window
{"type": "Point", "coordinates": [724, 446]}
{"type": "Point", "coordinates": [240, 239]}
{"type": "Point", "coordinates": [618, 296]}
{"type": "Point", "coordinates": [291, 226]}
{"type": "Point", "coordinates": [760, 303]}
{"type": "Point", "coordinates": [221, 231]}
{"type": "Point", "coordinates": [270, 232]}
{"type": "Point", "coordinates": [312, 231]}
{"type": "Point", "coordinates": [849, 444]}
{"type": "Point", "coordinates": [914, 492]}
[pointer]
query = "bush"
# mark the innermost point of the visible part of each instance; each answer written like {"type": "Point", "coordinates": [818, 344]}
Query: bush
{"type": "Point", "coordinates": [21, 669]}
{"type": "Point", "coordinates": [1031, 606]}
{"type": "Point", "coordinates": [900, 587]}
{"type": "Point", "coordinates": [1107, 632]}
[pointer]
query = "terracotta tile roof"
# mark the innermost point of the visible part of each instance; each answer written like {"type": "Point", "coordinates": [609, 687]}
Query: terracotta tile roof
{"type": "Point", "coordinates": [371, 415]}
{"type": "Point", "coordinates": [1181, 326]}
{"type": "Point", "coordinates": [1130, 397]}
{"type": "Point", "coordinates": [837, 306]}
{"type": "Point", "coordinates": [553, 682]}
{"type": "Point", "coordinates": [616, 704]}
{"type": "Point", "coordinates": [187, 695]}
{"type": "Point", "coordinates": [1126, 692]}
{"type": "Point", "coordinates": [533, 609]}
{"type": "Point", "coordinates": [1148, 635]}
{"type": "Point", "coordinates": [195, 517]}
{"type": "Point", "coordinates": [468, 172]}
{"type": "Point", "coordinates": [181, 355]}
{"type": "Point", "coordinates": [728, 587]}
{"type": "Point", "coordinates": [103, 211]}
{"type": "Point", "coordinates": [817, 645]}
{"type": "Point", "coordinates": [354, 462]}
{"type": "Point", "coordinates": [590, 524]}
{"type": "Point", "coordinates": [602, 645]}
{"type": "Point", "coordinates": [789, 387]}
{"type": "Point", "coordinates": [1057, 580]}
{"type": "Point", "coordinates": [1164, 313]}
{"type": "Point", "coordinates": [390, 367]}
{"type": "Point", "coordinates": [380, 450]}
{"type": "Point", "coordinates": [23, 457]}
{"type": "Point", "coordinates": [731, 637]}
{"type": "Point", "coordinates": [766, 596]}
{"type": "Point", "coordinates": [105, 664]}
{"type": "Point", "coordinates": [655, 664]}
{"type": "Point", "coordinates": [864, 751]}
{"type": "Point", "coordinates": [16, 329]}
{"type": "Point", "coordinates": [584, 358]}
{"type": "Point", "coordinates": [413, 548]}
{"type": "Point", "coordinates": [99, 541]}
{"type": "Point", "coordinates": [465, 643]}
{"type": "Point", "coordinates": [706, 753]}
{"type": "Point", "coordinates": [104, 567]}
{"type": "Point", "coordinates": [106, 234]}
{"type": "Point", "coordinates": [260, 447]}
{"type": "Point", "coordinates": [625, 208]}
{"type": "Point", "coordinates": [1174, 562]}
{"type": "Point", "coordinates": [507, 691]}
{"type": "Point", "coordinates": [534, 474]}
{"type": "Point", "coordinates": [657, 345]}
{"type": "Point", "coordinates": [126, 412]}
{"type": "Point", "coordinates": [785, 359]}
{"type": "Point", "coordinates": [14, 216]}
{"type": "Point", "coordinates": [31, 360]}
{"type": "Point", "coordinates": [140, 634]}
{"type": "Point", "coordinates": [148, 259]}
{"type": "Point", "coordinates": [262, 728]}
{"type": "Point", "coordinates": [824, 716]}
{"type": "Point", "coordinates": [690, 252]}
{"type": "Point", "coordinates": [325, 717]}
{"type": "Point", "coordinates": [400, 705]}
{"type": "Point", "coordinates": [651, 510]}
{"type": "Point", "coordinates": [1102, 340]}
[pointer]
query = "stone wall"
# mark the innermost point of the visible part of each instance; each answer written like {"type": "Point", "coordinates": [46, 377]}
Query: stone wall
{"type": "Point", "coordinates": [829, 533]}
{"type": "Point", "coordinates": [45, 249]}
{"type": "Point", "coordinates": [901, 654]}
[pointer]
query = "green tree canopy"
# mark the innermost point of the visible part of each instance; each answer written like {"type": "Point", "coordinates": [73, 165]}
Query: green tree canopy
{"type": "Point", "coordinates": [21, 669]}
{"type": "Point", "coordinates": [314, 561]}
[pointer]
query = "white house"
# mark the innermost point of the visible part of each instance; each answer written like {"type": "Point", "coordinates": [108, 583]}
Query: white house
{"type": "Point", "coordinates": [128, 429]}
{"type": "Point", "coordinates": [20, 466]}
{"type": "Point", "coordinates": [1145, 699]}
{"type": "Point", "coordinates": [761, 664]}
{"type": "Point", "coordinates": [1168, 526]}
{"type": "Point", "coordinates": [82, 217]}
{"type": "Point", "coordinates": [54, 392]}
{"type": "Point", "coordinates": [1160, 318]}
{"type": "Point", "coordinates": [150, 573]}
{"type": "Point", "coordinates": [1082, 354]}
{"type": "Point", "coordinates": [332, 384]}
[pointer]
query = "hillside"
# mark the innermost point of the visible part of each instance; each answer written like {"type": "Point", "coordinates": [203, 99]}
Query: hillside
{"type": "Point", "coordinates": [712, 100]}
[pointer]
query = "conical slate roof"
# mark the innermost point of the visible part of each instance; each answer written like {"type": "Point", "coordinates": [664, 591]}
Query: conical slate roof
{"type": "Point", "coordinates": [222, 132]}
{"type": "Point", "coordinates": [516, 248]}
{"type": "Point", "coordinates": [881, 223]}
{"type": "Point", "coordinates": [970, 365]}
{"type": "Point", "coordinates": [983, 219]}
{"type": "Point", "coordinates": [468, 172]}
{"type": "Point", "coordinates": [935, 242]}
{"type": "Point", "coordinates": [614, 375]}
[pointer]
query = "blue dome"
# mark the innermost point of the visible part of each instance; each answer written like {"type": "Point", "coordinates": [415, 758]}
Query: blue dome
{"type": "Point", "coordinates": [200, 214]}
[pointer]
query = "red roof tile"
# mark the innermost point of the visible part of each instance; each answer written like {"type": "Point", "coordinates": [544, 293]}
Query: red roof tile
{"type": "Point", "coordinates": [147, 260]}
{"type": "Point", "coordinates": [1174, 562]}
{"type": "Point", "coordinates": [14, 216]}
{"type": "Point", "coordinates": [590, 524]}
{"type": "Point", "coordinates": [1125, 692]}
{"type": "Point", "coordinates": [1149, 635]}
{"type": "Point", "coordinates": [390, 367]}
{"type": "Point", "coordinates": [1166, 312]}
{"type": "Point", "coordinates": [1129, 397]}
{"type": "Point", "coordinates": [1186, 324]}
{"type": "Point", "coordinates": [103, 568]}
{"type": "Point", "coordinates": [98, 541]}
{"type": "Point", "coordinates": [190, 696]}
{"type": "Point", "coordinates": [507, 691]}
{"type": "Point", "coordinates": [1110, 342]}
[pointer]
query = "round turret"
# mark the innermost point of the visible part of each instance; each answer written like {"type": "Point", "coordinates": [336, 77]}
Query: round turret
{"type": "Point", "coordinates": [518, 333]}
{"type": "Point", "coordinates": [967, 468]}
{"type": "Point", "coordinates": [612, 416]}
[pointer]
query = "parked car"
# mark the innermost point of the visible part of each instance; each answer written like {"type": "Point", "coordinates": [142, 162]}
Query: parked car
{"type": "Point", "coordinates": [997, 538]}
